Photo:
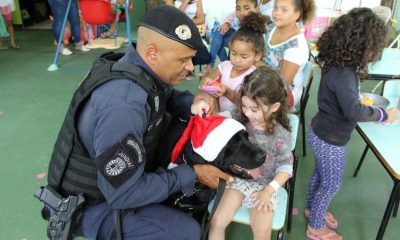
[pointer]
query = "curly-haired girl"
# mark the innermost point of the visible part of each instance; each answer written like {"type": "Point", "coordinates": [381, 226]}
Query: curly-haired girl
{"type": "Point", "coordinates": [345, 48]}
{"type": "Point", "coordinates": [260, 107]}
{"type": "Point", "coordinates": [246, 48]}
{"type": "Point", "coordinates": [286, 47]}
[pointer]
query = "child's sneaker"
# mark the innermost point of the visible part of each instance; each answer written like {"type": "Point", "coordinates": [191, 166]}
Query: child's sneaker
{"type": "Point", "coordinates": [65, 51]}
{"type": "Point", "coordinates": [83, 49]}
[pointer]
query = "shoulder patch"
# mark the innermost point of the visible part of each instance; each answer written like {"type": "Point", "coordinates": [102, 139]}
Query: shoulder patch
{"type": "Point", "coordinates": [120, 161]}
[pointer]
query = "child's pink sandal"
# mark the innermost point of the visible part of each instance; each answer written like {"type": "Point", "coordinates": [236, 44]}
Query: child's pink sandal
{"type": "Point", "coordinates": [331, 235]}
{"type": "Point", "coordinates": [330, 220]}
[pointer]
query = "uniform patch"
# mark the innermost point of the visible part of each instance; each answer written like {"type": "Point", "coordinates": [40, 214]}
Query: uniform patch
{"type": "Point", "coordinates": [183, 32]}
{"type": "Point", "coordinates": [115, 167]}
{"type": "Point", "coordinates": [120, 161]}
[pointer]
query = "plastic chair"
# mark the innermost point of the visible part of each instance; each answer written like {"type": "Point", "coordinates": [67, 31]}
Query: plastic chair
{"type": "Point", "coordinates": [384, 13]}
{"type": "Point", "coordinates": [396, 42]}
{"type": "Point", "coordinates": [308, 74]}
{"type": "Point", "coordinates": [99, 12]}
{"type": "Point", "coordinates": [286, 195]}
{"type": "Point", "coordinates": [290, 185]}
{"type": "Point", "coordinates": [242, 215]}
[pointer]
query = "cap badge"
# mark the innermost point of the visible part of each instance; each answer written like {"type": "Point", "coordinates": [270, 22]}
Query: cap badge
{"type": "Point", "coordinates": [183, 32]}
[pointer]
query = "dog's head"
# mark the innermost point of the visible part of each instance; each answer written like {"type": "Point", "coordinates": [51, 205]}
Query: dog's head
{"type": "Point", "coordinates": [239, 157]}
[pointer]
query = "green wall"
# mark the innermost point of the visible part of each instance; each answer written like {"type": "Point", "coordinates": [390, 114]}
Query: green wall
{"type": "Point", "coordinates": [136, 14]}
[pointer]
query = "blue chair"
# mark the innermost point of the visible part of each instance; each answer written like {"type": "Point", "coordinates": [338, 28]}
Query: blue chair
{"type": "Point", "coordinates": [308, 74]}
{"type": "Point", "coordinates": [286, 195]}
{"type": "Point", "coordinates": [290, 185]}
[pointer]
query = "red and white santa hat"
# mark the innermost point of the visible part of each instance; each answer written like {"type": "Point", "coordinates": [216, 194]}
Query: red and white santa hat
{"type": "Point", "coordinates": [208, 135]}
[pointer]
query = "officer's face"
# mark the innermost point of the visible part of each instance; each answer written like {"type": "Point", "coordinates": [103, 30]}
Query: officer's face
{"type": "Point", "coordinates": [174, 63]}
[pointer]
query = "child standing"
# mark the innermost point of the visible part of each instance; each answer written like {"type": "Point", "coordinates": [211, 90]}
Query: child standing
{"type": "Point", "coordinates": [6, 9]}
{"type": "Point", "coordinates": [246, 48]}
{"type": "Point", "coordinates": [260, 108]}
{"type": "Point", "coordinates": [225, 31]}
{"type": "Point", "coordinates": [345, 49]}
{"type": "Point", "coordinates": [286, 48]}
{"type": "Point", "coordinates": [58, 10]}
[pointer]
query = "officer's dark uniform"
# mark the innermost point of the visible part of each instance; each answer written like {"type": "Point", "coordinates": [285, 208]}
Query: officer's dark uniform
{"type": "Point", "coordinates": [119, 108]}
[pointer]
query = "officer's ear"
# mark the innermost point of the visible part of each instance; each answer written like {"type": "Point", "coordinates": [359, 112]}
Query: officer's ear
{"type": "Point", "coordinates": [151, 54]}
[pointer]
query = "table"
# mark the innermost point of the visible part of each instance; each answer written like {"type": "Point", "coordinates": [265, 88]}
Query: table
{"type": "Point", "coordinates": [386, 68]}
{"type": "Point", "coordinates": [384, 142]}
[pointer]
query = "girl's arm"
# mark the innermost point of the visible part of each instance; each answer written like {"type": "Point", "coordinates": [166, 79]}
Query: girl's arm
{"type": "Point", "coordinates": [293, 58]}
{"type": "Point", "coordinates": [229, 19]}
{"type": "Point", "coordinates": [289, 71]}
{"type": "Point", "coordinates": [281, 178]}
{"type": "Point", "coordinates": [284, 163]}
{"type": "Point", "coordinates": [199, 18]}
{"type": "Point", "coordinates": [228, 23]}
{"type": "Point", "coordinates": [230, 94]}
{"type": "Point", "coordinates": [262, 200]}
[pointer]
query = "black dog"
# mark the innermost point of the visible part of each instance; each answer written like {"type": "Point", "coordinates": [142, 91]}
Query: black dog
{"type": "Point", "coordinates": [238, 157]}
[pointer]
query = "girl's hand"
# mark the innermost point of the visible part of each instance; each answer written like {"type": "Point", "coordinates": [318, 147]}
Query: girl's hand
{"type": "Point", "coordinates": [262, 200]}
{"type": "Point", "coordinates": [223, 28]}
{"type": "Point", "coordinates": [205, 81]}
{"type": "Point", "coordinates": [393, 115]}
{"type": "Point", "coordinates": [221, 92]}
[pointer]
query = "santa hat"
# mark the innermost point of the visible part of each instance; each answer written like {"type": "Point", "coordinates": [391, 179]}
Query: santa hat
{"type": "Point", "coordinates": [208, 135]}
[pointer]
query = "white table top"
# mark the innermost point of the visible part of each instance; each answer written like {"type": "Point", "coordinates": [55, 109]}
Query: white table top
{"type": "Point", "coordinates": [386, 140]}
{"type": "Point", "coordinates": [389, 63]}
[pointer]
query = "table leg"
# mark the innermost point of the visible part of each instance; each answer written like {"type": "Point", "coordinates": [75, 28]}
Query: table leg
{"type": "Point", "coordinates": [396, 205]}
{"type": "Point", "coordinates": [388, 211]}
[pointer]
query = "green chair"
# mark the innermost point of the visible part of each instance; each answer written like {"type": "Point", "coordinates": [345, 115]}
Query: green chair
{"type": "Point", "coordinates": [286, 195]}
{"type": "Point", "coordinates": [242, 215]}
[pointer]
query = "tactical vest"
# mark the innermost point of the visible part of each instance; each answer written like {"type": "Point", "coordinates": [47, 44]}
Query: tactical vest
{"type": "Point", "coordinates": [71, 170]}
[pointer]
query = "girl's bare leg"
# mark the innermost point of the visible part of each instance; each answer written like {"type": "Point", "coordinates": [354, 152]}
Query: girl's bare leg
{"type": "Point", "coordinates": [230, 202]}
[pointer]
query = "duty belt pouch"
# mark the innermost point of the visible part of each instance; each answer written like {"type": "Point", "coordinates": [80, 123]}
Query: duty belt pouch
{"type": "Point", "coordinates": [62, 213]}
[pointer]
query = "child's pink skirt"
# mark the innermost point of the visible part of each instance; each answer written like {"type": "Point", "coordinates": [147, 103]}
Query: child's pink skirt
{"type": "Point", "coordinates": [6, 9]}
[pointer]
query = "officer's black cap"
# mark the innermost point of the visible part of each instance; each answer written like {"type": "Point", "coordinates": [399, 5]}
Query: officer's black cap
{"type": "Point", "coordinates": [174, 24]}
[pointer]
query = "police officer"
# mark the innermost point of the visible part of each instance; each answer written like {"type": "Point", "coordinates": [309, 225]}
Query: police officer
{"type": "Point", "coordinates": [115, 131]}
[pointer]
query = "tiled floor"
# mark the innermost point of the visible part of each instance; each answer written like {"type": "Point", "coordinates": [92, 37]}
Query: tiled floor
{"type": "Point", "coordinates": [33, 103]}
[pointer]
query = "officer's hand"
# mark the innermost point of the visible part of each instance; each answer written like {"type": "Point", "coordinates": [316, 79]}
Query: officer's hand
{"type": "Point", "coordinates": [210, 175]}
{"type": "Point", "coordinates": [203, 103]}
